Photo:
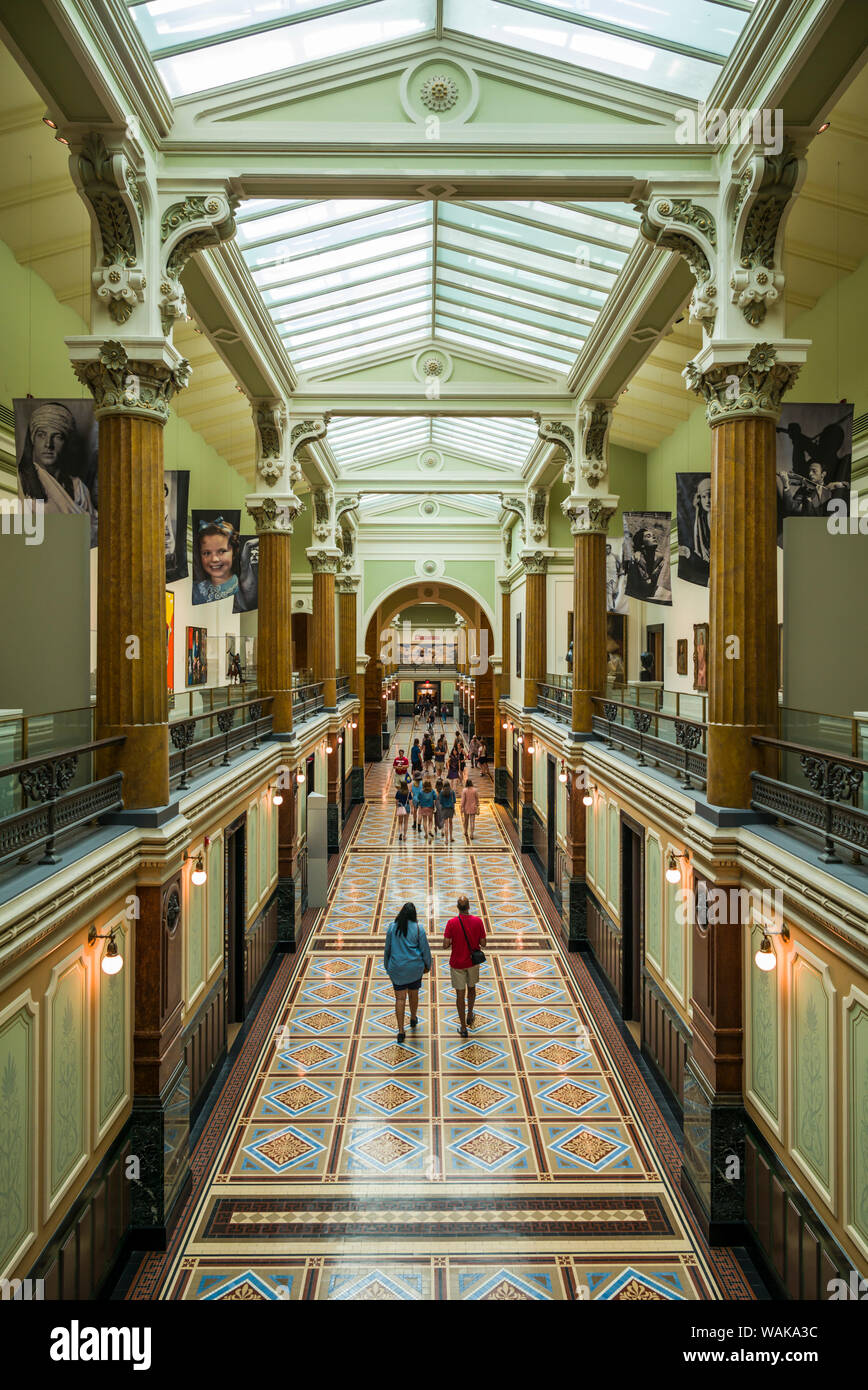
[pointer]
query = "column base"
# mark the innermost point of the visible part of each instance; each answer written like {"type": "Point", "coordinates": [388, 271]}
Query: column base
{"type": "Point", "coordinates": [574, 913]}
{"type": "Point", "coordinates": [143, 759]}
{"type": "Point", "coordinates": [357, 785]}
{"type": "Point", "coordinates": [333, 827]}
{"type": "Point", "coordinates": [501, 786]}
{"type": "Point", "coordinates": [385, 739]}
{"type": "Point", "coordinates": [160, 1140]}
{"type": "Point", "coordinates": [373, 748]}
{"type": "Point", "coordinates": [713, 1171]}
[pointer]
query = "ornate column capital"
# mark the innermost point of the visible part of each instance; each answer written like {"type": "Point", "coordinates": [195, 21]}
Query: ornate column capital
{"type": "Point", "coordinates": [323, 560]}
{"type": "Point", "coordinates": [732, 239]}
{"type": "Point", "coordinates": [740, 379]}
{"type": "Point", "coordinates": [592, 454]}
{"type": "Point", "coordinates": [535, 561]}
{"type": "Point", "coordinates": [505, 586]}
{"type": "Point", "coordinates": [141, 237]}
{"type": "Point", "coordinates": [137, 377]}
{"type": "Point", "coordinates": [562, 434]}
{"type": "Point", "coordinates": [348, 583]}
{"type": "Point", "coordinates": [589, 515]}
{"type": "Point", "coordinates": [272, 513]}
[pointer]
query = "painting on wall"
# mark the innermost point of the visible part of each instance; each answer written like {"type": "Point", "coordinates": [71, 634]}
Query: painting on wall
{"type": "Point", "coordinates": [57, 447]}
{"type": "Point", "coordinates": [646, 554]}
{"type": "Point", "coordinates": [813, 460]}
{"type": "Point", "coordinates": [216, 555]}
{"type": "Point", "coordinates": [681, 656]}
{"type": "Point", "coordinates": [700, 657]}
{"type": "Point", "coordinates": [616, 648]}
{"type": "Point", "coordinates": [197, 656]}
{"type": "Point", "coordinates": [170, 640]}
{"type": "Point", "coordinates": [176, 489]}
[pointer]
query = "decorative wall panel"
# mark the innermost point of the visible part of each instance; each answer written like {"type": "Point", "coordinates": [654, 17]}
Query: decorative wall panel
{"type": "Point", "coordinates": [214, 949]}
{"type": "Point", "coordinates": [654, 902]}
{"type": "Point", "coordinates": [194, 920]}
{"type": "Point", "coordinates": [591, 838]}
{"type": "Point", "coordinates": [113, 1033]}
{"type": "Point", "coordinates": [67, 1082]}
{"type": "Point", "coordinates": [19, 1140]}
{"type": "Point", "coordinates": [253, 885]}
{"type": "Point", "coordinates": [763, 1036]}
{"type": "Point", "coordinates": [614, 833]}
{"type": "Point", "coordinates": [674, 939]}
{"type": "Point", "coordinates": [856, 1117]}
{"type": "Point", "coordinates": [812, 1025]}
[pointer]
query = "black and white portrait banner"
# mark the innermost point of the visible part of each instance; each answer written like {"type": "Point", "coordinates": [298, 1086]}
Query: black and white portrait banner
{"type": "Point", "coordinates": [693, 512]}
{"type": "Point", "coordinates": [646, 554]}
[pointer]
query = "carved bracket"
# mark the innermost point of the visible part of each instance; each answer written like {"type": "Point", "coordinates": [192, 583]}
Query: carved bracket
{"type": "Point", "coordinates": [560, 433]}
{"type": "Point", "coordinates": [110, 186]}
{"type": "Point", "coordinates": [595, 418]}
{"type": "Point", "coordinates": [194, 223]}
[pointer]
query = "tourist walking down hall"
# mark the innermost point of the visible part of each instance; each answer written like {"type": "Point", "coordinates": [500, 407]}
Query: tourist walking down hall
{"type": "Point", "coordinates": [447, 811]}
{"type": "Point", "coordinates": [406, 958]}
{"type": "Point", "coordinates": [469, 809]}
{"type": "Point", "coordinates": [464, 938]}
{"type": "Point", "coordinates": [402, 802]}
{"type": "Point", "coordinates": [482, 758]}
{"type": "Point", "coordinates": [426, 807]}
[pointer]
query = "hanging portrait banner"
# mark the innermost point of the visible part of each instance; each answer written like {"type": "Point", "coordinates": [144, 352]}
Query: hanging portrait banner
{"type": "Point", "coordinates": [646, 554]}
{"type": "Point", "coordinates": [247, 598]}
{"type": "Point", "coordinates": [813, 461]}
{"type": "Point", "coordinates": [616, 577]}
{"type": "Point", "coordinates": [216, 554]}
{"type": "Point", "coordinates": [57, 448]}
{"type": "Point", "coordinates": [176, 488]}
{"type": "Point", "coordinates": [693, 512]}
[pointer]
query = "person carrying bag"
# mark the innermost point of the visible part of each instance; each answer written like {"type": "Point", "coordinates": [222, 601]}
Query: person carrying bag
{"type": "Point", "coordinates": [406, 958]}
{"type": "Point", "coordinates": [464, 935]}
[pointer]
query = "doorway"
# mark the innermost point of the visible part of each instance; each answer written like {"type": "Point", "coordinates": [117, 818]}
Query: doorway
{"type": "Point", "coordinates": [654, 645]}
{"type": "Point", "coordinates": [632, 919]}
{"type": "Point", "coordinates": [234, 918]}
{"type": "Point", "coordinates": [551, 818]}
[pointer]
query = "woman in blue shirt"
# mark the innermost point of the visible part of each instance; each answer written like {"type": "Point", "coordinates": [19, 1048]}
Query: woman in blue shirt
{"type": "Point", "coordinates": [406, 958]}
{"type": "Point", "coordinates": [447, 811]}
{"type": "Point", "coordinates": [426, 807]}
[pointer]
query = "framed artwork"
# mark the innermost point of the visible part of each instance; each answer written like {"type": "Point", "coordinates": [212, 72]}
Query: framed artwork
{"type": "Point", "coordinates": [700, 657]}
{"type": "Point", "coordinates": [616, 648]}
{"type": "Point", "coordinates": [681, 656]}
{"type": "Point", "coordinates": [197, 656]}
{"type": "Point", "coordinates": [170, 640]}
{"type": "Point", "coordinates": [518, 644]}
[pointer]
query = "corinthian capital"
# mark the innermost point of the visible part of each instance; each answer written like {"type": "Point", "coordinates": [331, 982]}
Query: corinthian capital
{"type": "Point", "coordinates": [274, 514]}
{"type": "Point", "coordinates": [589, 515]}
{"type": "Point", "coordinates": [736, 380]}
{"type": "Point", "coordinates": [142, 384]}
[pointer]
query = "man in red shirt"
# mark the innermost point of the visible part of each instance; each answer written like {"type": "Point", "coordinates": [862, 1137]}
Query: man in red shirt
{"type": "Point", "coordinates": [400, 764]}
{"type": "Point", "coordinates": [464, 934]}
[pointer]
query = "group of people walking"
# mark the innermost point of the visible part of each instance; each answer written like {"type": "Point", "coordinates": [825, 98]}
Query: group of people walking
{"type": "Point", "coordinates": [427, 787]}
{"type": "Point", "coordinates": [407, 959]}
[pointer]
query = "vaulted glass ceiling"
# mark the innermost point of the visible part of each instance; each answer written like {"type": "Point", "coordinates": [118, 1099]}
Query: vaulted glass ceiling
{"type": "Point", "coordinates": [677, 46]}
{"type": "Point", "coordinates": [358, 442]}
{"type": "Point", "coordinates": [517, 281]}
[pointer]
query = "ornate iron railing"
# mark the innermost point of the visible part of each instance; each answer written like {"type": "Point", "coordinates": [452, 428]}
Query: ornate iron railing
{"type": "Point", "coordinates": [343, 687]}
{"type": "Point", "coordinates": [51, 804]}
{"type": "Point", "coordinates": [828, 808]}
{"type": "Point", "coordinates": [555, 700]}
{"type": "Point", "coordinates": [306, 700]}
{"type": "Point", "coordinates": [191, 754]}
{"type": "Point", "coordinates": [683, 751]}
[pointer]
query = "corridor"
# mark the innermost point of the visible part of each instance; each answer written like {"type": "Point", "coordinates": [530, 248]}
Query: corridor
{"type": "Point", "coordinates": [526, 1162]}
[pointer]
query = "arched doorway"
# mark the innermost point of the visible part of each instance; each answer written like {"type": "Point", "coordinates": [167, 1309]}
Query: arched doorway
{"type": "Point", "coordinates": [408, 595]}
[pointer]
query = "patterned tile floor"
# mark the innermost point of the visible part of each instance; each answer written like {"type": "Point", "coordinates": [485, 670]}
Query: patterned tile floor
{"type": "Point", "coordinates": [526, 1162]}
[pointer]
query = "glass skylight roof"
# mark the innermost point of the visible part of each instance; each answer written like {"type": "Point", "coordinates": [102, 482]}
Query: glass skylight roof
{"type": "Point", "coordinates": [357, 442]}
{"type": "Point", "coordinates": [677, 46]}
{"type": "Point", "coordinates": [520, 282]}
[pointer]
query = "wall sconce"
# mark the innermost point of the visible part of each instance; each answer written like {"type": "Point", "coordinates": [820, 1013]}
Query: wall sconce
{"type": "Point", "coordinates": [765, 957]}
{"type": "Point", "coordinates": [299, 775]}
{"type": "Point", "coordinates": [531, 748]}
{"type": "Point", "coordinates": [355, 724]}
{"type": "Point", "coordinates": [588, 798]}
{"type": "Point", "coordinates": [340, 739]}
{"type": "Point", "coordinates": [562, 775]}
{"type": "Point", "coordinates": [329, 749]}
{"type": "Point", "coordinates": [112, 961]}
{"type": "Point", "coordinates": [673, 873]}
{"type": "Point", "coordinates": [277, 797]}
{"type": "Point", "coordinates": [200, 873]}
{"type": "Point", "coordinates": [505, 724]}
{"type": "Point", "coordinates": [520, 740]}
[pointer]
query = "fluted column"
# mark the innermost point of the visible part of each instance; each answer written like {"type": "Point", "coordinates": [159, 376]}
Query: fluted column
{"type": "Point", "coordinates": [589, 523]}
{"type": "Point", "coordinates": [274, 662]}
{"type": "Point", "coordinates": [535, 647]}
{"type": "Point", "coordinates": [348, 588]}
{"type": "Point", "coordinates": [324, 564]}
{"type": "Point", "coordinates": [132, 405]}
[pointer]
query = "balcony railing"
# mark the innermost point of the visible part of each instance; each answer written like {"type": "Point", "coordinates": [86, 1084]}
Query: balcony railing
{"type": "Point", "coordinates": [207, 699]}
{"type": "Point", "coordinates": [48, 803]}
{"type": "Point", "coordinates": [830, 808]}
{"type": "Point", "coordinates": [198, 746]}
{"type": "Point", "coordinates": [343, 687]}
{"type": "Point", "coordinates": [677, 743]}
{"type": "Point", "coordinates": [306, 700]}
{"type": "Point", "coordinates": [555, 700]}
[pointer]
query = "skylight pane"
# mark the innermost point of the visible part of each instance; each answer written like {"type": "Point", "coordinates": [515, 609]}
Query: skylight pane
{"type": "Point", "coordinates": [343, 234]}
{"type": "Point", "coordinates": [340, 259]}
{"type": "Point", "coordinates": [475, 266]}
{"type": "Point", "coordinates": [339, 281]}
{"type": "Point", "coordinates": [564, 311]}
{"type": "Point", "coordinates": [533, 260]}
{"type": "Point", "coordinates": [165, 23]}
{"type": "Point", "coordinates": [559, 241]}
{"type": "Point", "coordinates": [573, 222]}
{"type": "Point", "coordinates": [546, 322]}
{"type": "Point", "coordinates": [482, 344]}
{"type": "Point", "coordinates": [692, 22]}
{"type": "Point", "coordinates": [308, 216]}
{"type": "Point", "coordinates": [313, 41]}
{"type": "Point", "coordinates": [342, 313]}
{"type": "Point", "coordinates": [346, 353]}
{"type": "Point", "coordinates": [368, 322]}
{"type": "Point", "coordinates": [636, 60]}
